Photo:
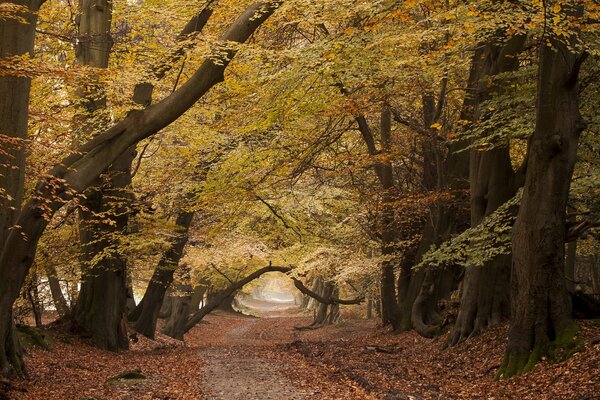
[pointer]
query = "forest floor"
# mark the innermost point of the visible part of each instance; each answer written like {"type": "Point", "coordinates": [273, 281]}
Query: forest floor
{"type": "Point", "coordinates": [231, 356]}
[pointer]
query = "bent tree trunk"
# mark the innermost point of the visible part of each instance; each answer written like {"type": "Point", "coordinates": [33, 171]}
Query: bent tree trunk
{"type": "Point", "coordinates": [60, 303]}
{"type": "Point", "coordinates": [485, 289]}
{"type": "Point", "coordinates": [80, 170]}
{"type": "Point", "coordinates": [234, 287]}
{"type": "Point", "coordinates": [16, 39]}
{"type": "Point", "coordinates": [541, 321]}
{"type": "Point", "coordinates": [146, 313]}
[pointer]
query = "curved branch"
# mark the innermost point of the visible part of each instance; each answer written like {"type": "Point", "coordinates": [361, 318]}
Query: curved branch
{"type": "Point", "coordinates": [325, 300]}
{"type": "Point", "coordinates": [204, 311]}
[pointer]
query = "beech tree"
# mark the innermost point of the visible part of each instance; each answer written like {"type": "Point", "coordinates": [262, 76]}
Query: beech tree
{"type": "Point", "coordinates": [541, 321]}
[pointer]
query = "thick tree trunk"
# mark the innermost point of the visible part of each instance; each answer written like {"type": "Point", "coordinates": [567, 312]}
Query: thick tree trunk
{"type": "Point", "coordinates": [316, 287]}
{"type": "Point", "coordinates": [100, 312]}
{"type": "Point", "coordinates": [146, 313]}
{"type": "Point", "coordinates": [16, 39]}
{"type": "Point", "coordinates": [485, 289]}
{"type": "Point", "coordinates": [102, 301]}
{"type": "Point", "coordinates": [541, 311]}
{"type": "Point", "coordinates": [434, 284]}
{"type": "Point", "coordinates": [420, 291]}
{"type": "Point", "coordinates": [180, 299]}
{"type": "Point", "coordinates": [320, 317]}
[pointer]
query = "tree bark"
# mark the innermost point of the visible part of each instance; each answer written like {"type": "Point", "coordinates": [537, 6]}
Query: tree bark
{"type": "Point", "coordinates": [16, 39]}
{"type": "Point", "coordinates": [541, 311]}
{"type": "Point", "coordinates": [485, 289]}
{"type": "Point", "coordinates": [100, 311]}
{"type": "Point", "coordinates": [181, 300]}
{"type": "Point", "coordinates": [60, 303]}
{"type": "Point", "coordinates": [212, 304]}
{"type": "Point", "coordinates": [419, 306]}
{"type": "Point", "coordinates": [80, 170]}
{"type": "Point", "coordinates": [146, 313]}
{"type": "Point", "coordinates": [102, 301]}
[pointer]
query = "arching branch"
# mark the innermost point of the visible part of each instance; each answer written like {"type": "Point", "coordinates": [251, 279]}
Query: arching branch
{"type": "Point", "coordinates": [325, 300]}
{"type": "Point", "coordinates": [204, 311]}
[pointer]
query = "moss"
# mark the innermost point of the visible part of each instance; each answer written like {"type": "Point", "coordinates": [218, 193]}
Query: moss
{"type": "Point", "coordinates": [563, 347]}
{"type": "Point", "coordinates": [512, 365]}
{"type": "Point", "coordinates": [32, 337]}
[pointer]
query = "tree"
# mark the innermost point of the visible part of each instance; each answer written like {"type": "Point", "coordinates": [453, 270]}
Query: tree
{"type": "Point", "coordinates": [541, 321]}
{"type": "Point", "coordinates": [17, 33]}
{"type": "Point", "coordinates": [485, 298]}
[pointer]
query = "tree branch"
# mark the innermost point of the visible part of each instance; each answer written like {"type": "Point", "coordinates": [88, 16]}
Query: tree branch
{"type": "Point", "coordinates": [325, 300]}
{"type": "Point", "coordinates": [198, 315]}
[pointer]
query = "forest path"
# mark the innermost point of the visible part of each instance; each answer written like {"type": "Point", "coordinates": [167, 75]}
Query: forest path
{"type": "Point", "coordinates": [243, 359]}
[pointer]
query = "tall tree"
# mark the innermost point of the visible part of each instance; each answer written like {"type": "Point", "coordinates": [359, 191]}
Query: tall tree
{"type": "Point", "coordinates": [17, 34]}
{"type": "Point", "coordinates": [99, 311]}
{"type": "Point", "coordinates": [485, 289]}
{"type": "Point", "coordinates": [541, 320]}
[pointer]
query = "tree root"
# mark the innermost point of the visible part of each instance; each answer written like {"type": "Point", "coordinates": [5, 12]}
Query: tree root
{"type": "Point", "coordinates": [563, 347]}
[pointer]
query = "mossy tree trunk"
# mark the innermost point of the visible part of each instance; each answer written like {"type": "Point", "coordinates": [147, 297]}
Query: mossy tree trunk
{"type": "Point", "coordinates": [541, 321]}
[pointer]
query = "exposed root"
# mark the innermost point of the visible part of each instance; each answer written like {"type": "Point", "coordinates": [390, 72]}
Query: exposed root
{"type": "Point", "coordinates": [563, 347]}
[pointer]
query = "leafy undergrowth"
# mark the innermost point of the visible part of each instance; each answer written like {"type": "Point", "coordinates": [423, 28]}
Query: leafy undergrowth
{"type": "Point", "coordinates": [407, 366]}
{"type": "Point", "coordinates": [73, 369]}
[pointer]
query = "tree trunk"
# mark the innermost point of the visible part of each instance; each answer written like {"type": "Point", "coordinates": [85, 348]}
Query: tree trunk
{"type": "Point", "coordinates": [146, 313]}
{"type": "Point", "coordinates": [100, 311]}
{"type": "Point", "coordinates": [420, 291]}
{"type": "Point", "coordinates": [103, 297]}
{"type": "Point", "coordinates": [34, 298]}
{"type": "Point", "coordinates": [485, 289]}
{"type": "Point", "coordinates": [60, 303]}
{"type": "Point", "coordinates": [541, 321]}
{"type": "Point", "coordinates": [181, 299]}
{"type": "Point", "coordinates": [16, 39]}
{"type": "Point", "coordinates": [334, 309]}
{"type": "Point", "coordinates": [321, 311]}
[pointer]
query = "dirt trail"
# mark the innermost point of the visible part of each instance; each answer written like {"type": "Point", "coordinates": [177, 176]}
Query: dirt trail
{"type": "Point", "coordinates": [243, 359]}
